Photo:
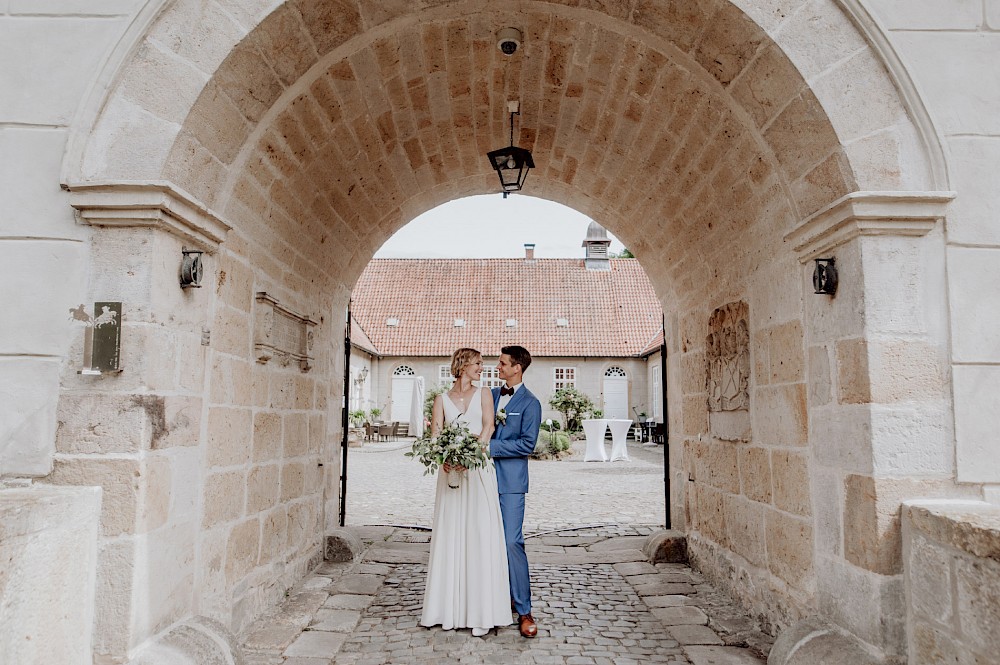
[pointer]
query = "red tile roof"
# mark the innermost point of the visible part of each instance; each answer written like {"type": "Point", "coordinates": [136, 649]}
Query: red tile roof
{"type": "Point", "coordinates": [611, 313]}
{"type": "Point", "coordinates": [360, 339]}
{"type": "Point", "coordinates": [654, 345]}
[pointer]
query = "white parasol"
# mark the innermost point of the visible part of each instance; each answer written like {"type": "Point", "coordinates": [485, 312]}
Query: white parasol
{"type": "Point", "coordinates": [417, 407]}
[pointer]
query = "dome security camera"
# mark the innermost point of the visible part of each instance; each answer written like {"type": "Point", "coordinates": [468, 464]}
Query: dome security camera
{"type": "Point", "coordinates": [508, 40]}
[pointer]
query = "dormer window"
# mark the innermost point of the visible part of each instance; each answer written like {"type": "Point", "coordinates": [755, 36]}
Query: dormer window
{"type": "Point", "coordinates": [459, 323]}
{"type": "Point", "coordinates": [511, 323]}
{"type": "Point", "coordinates": [562, 323]}
{"type": "Point", "coordinates": [392, 322]}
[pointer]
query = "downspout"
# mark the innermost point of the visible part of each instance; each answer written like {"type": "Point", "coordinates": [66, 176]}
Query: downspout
{"type": "Point", "coordinates": [343, 417]}
{"type": "Point", "coordinates": [666, 430]}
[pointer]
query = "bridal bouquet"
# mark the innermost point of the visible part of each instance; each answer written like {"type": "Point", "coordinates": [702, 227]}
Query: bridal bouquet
{"type": "Point", "coordinates": [454, 445]}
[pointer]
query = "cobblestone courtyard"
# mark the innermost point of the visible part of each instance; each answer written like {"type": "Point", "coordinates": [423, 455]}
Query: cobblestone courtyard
{"type": "Point", "coordinates": [597, 599]}
{"type": "Point", "coordinates": [385, 487]}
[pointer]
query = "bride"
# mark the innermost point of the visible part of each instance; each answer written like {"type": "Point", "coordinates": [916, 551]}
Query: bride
{"type": "Point", "coordinates": [467, 579]}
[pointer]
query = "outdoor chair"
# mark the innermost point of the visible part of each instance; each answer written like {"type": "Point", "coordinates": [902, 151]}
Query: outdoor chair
{"type": "Point", "coordinates": [659, 433]}
{"type": "Point", "coordinates": [384, 432]}
{"type": "Point", "coordinates": [369, 432]}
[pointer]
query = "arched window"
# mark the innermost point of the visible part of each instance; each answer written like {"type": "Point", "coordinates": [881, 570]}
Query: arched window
{"type": "Point", "coordinates": [403, 370]}
{"type": "Point", "coordinates": [615, 371]}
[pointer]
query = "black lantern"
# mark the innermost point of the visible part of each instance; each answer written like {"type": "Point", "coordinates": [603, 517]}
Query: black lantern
{"type": "Point", "coordinates": [511, 163]}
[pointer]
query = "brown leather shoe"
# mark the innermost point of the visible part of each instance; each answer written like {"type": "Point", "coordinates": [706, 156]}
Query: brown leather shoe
{"type": "Point", "coordinates": [526, 624]}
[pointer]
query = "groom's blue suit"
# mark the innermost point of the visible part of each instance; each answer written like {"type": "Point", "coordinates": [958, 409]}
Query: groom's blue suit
{"type": "Point", "coordinates": [510, 446]}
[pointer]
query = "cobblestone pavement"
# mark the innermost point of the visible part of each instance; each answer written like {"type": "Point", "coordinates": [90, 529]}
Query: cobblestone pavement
{"type": "Point", "coordinates": [385, 487]}
{"type": "Point", "coordinates": [596, 598]}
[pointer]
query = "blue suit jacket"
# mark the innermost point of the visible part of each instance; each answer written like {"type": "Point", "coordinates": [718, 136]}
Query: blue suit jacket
{"type": "Point", "coordinates": [515, 439]}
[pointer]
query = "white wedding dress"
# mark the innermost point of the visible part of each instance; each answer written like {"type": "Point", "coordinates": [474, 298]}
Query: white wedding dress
{"type": "Point", "coordinates": [467, 579]}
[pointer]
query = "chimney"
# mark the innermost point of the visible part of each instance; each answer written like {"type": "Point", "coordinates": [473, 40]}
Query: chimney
{"type": "Point", "coordinates": [529, 252]}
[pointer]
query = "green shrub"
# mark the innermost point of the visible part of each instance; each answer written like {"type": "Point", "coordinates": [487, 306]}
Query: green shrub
{"type": "Point", "coordinates": [551, 443]}
{"type": "Point", "coordinates": [572, 404]}
{"type": "Point", "coordinates": [429, 401]}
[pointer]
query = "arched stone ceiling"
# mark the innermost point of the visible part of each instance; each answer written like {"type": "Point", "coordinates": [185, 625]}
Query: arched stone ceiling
{"type": "Point", "coordinates": [675, 123]}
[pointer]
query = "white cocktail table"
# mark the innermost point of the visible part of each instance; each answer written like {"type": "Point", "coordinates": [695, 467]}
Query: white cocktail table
{"type": "Point", "coordinates": [593, 429]}
{"type": "Point", "coordinates": [619, 435]}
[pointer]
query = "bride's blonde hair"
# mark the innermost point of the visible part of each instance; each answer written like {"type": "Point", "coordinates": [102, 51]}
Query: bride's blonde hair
{"type": "Point", "coordinates": [461, 358]}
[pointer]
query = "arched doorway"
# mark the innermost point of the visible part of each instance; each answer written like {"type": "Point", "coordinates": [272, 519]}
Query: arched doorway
{"type": "Point", "coordinates": [616, 393]}
{"type": "Point", "coordinates": [402, 394]}
{"type": "Point", "coordinates": [691, 129]}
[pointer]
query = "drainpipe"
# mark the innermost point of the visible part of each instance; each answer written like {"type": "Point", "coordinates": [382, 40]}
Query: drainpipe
{"type": "Point", "coordinates": [343, 417]}
{"type": "Point", "coordinates": [666, 427]}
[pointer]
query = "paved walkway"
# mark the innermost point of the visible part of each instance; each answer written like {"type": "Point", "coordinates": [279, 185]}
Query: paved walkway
{"type": "Point", "coordinates": [596, 598]}
{"type": "Point", "coordinates": [385, 487]}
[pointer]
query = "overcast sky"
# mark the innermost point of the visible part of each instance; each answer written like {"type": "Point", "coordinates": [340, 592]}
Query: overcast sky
{"type": "Point", "coordinates": [489, 227]}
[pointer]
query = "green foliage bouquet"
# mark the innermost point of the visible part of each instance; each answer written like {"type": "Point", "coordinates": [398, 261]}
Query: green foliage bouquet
{"type": "Point", "coordinates": [454, 445]}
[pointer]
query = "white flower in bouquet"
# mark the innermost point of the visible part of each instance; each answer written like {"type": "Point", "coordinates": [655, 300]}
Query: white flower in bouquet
{"type": "Point", "coordinates": [454, 445]}
{"type": "Point", "coordinates": [501, 417]}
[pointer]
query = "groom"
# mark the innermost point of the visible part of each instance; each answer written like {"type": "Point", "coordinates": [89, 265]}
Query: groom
{"type": "Point", "coordinates": [518, 415]}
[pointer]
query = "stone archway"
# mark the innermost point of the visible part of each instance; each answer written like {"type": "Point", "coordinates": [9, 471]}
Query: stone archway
{"type": "Point", "coordinates": [724, 144]}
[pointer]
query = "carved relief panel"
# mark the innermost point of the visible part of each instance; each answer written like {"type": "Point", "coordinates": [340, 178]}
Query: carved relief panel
{"type": "Point", "coordinates": [727, 354]}
{"type": "Point", "coordinates": [281, 334]}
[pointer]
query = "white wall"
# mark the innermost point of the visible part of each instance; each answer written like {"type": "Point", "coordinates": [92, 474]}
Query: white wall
{"type": "Point", "coordinates": [951, 48]}
{"type": "Point", "coordinates": [51, 52]}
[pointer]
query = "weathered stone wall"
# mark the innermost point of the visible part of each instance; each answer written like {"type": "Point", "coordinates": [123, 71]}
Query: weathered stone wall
{"type": "Point", "coordinates": [951, 555]}
{"type": "Point", "coordinates": [945, 46]}
{"type": "Point", "coordinates": [699, 134]}
{"type": "Point", "coordinates": [48, 546]}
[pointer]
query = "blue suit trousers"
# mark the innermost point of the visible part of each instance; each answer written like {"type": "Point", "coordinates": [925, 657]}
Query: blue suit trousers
{"type": "Point", "coordinates": [512, 511]}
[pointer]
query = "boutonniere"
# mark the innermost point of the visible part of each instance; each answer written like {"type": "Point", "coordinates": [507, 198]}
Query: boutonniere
{"type": "Point", "coordinates": [501, 416]}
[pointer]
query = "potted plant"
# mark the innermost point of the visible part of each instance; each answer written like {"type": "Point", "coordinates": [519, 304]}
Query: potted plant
{"type": "Point", "coordinates": [358, 417]}
{"type": "Point", "coordinates": [374, 413]}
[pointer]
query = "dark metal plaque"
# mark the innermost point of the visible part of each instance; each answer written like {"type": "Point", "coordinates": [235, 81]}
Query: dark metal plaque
{"type": "Point", "coordinates": [107, 336]}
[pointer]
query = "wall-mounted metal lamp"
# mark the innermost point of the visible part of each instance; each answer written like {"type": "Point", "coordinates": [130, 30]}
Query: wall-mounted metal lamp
{"type": "Point", "coordinates": [511, 163]}
{"type": "Point", "coordinates": [363, 375]}
{"type": "Point", "coordinates": [825, 276]}
{"type": "Point", "coordinates": [191, 269]}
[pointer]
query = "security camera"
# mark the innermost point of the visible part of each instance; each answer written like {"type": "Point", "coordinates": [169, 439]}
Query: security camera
{"type": "Point", "coordinates": [508, 40]}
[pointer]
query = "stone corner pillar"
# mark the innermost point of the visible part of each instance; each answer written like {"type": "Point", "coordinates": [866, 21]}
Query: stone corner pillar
{"type": "Point", "coordinates": [48, 550]}
{"type": "Point", "coordinates": [137, 432]}
{"type": "Point", "coordinates": [879, 397]}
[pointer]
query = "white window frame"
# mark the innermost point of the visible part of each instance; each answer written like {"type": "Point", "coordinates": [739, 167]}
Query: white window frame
{"type": "Point", "coordinates": [490, 377]}
{"type": "Point", "coordinates": [563, 377]}
{"type": "Point", "coordinates": [403, 370]}
{"type": "Point", "coordinates": [444, 376]}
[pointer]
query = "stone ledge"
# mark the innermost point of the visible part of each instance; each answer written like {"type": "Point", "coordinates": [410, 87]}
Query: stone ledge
{"type": "Point", "coordinates": [867, 214]}
{"type": "Point", "coordinates": [152, 203]}
{"type": "Point", "coordinates": [970, 526]}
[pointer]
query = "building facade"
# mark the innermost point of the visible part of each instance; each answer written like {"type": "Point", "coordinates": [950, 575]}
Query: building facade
{"type": "Point", "coordinates": [585, 321]}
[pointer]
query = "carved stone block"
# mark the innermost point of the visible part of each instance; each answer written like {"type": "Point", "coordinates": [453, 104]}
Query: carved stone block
{"type": "Point", "coordinates": [281, 334]}
{"type": "Point", "coordinates": [727, 358]}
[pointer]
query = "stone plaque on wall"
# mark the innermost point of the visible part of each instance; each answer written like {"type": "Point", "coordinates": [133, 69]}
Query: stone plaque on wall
{"type": "Point", "coordinates": [281, 334]}
{"type": "Point", "coordinates": [727, 355]}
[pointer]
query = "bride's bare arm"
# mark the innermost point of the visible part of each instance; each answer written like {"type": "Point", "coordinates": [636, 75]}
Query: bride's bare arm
{"type": "Point", "coordinates": [488, 422]}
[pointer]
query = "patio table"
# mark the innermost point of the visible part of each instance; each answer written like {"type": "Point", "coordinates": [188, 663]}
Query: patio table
{"type": "Point", "coordinates": [593, 430]}
{"type": "Point", "coordinates": [619, 434]}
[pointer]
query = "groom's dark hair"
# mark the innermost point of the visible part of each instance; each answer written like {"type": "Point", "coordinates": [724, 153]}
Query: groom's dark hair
{"type": "Point", "coordinates": [519, 355]}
